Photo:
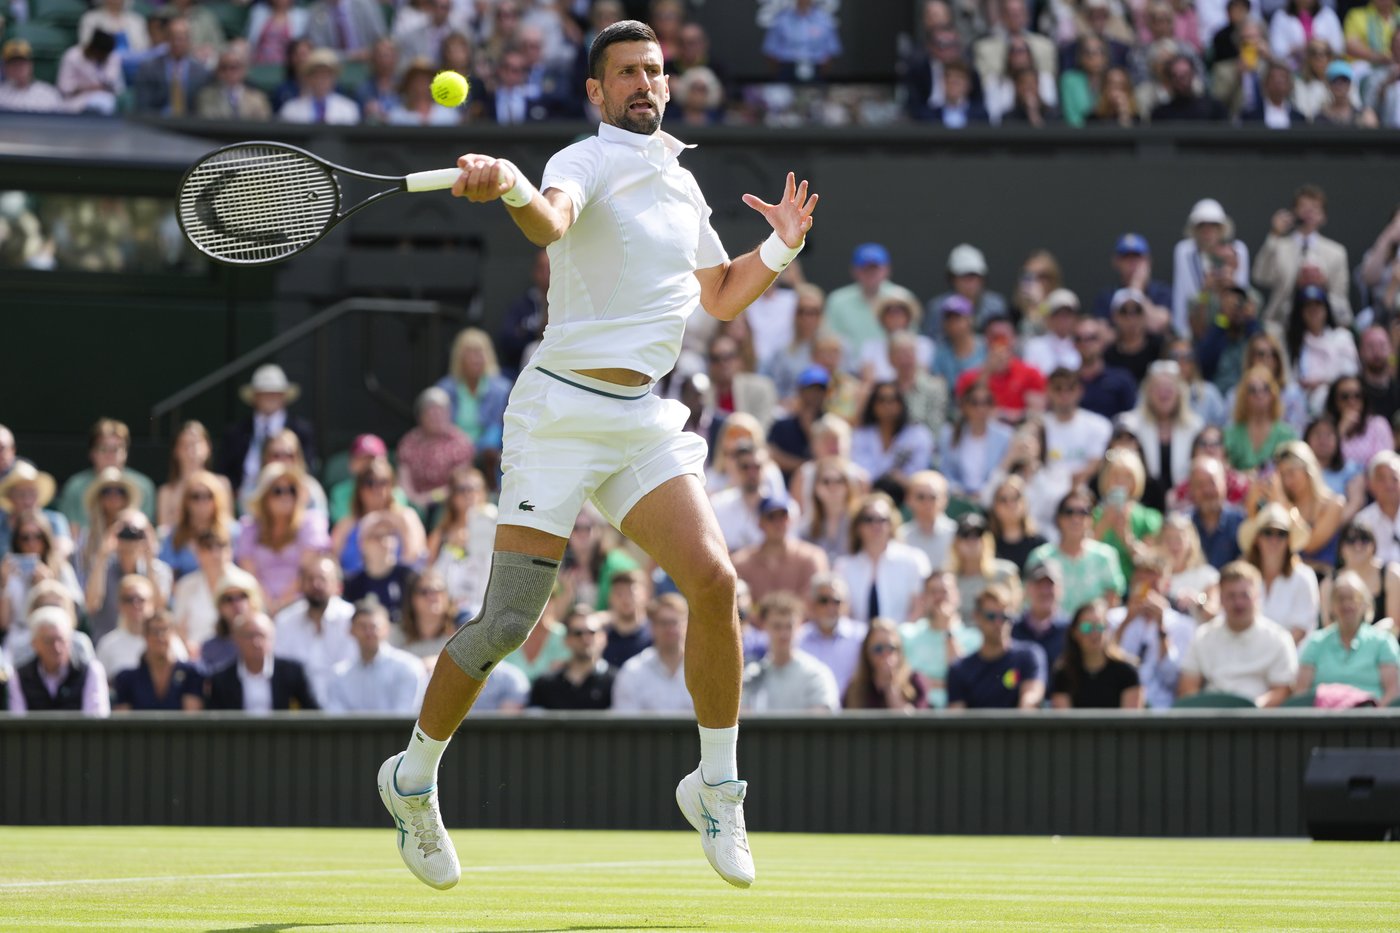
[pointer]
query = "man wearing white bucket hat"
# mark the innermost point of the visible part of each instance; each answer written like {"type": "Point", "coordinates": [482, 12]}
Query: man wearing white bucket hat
{"type": "Point", "coordinates": [1194, 259]}
{"type": "Point", "coordinates": [268, 393]}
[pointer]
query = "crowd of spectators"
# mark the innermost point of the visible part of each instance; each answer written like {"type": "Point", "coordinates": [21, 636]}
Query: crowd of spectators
{"type": "Point", "coordinates": [1181, 489]}
{"type": "Point", "coordinates": [1274, 63]}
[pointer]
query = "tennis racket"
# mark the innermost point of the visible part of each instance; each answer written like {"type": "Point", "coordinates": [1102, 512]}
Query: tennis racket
{"type": "Point", "coordinates": [254, 203]}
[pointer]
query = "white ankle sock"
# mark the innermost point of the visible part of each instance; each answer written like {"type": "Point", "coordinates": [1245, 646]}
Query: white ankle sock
{"type": "Point", "coordinates": [418, 770]}
{"type": "Point", "coordinates": [719, 754]}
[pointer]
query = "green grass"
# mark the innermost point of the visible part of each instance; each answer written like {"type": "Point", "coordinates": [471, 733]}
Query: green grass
{"type": "Point", "coordinates": [278, 879]}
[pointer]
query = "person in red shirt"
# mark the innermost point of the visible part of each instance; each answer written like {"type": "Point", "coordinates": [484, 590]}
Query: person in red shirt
{"type": "Point", "coordinates": [1017, 386]}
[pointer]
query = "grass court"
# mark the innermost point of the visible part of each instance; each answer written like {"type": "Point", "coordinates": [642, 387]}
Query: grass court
{"type": "Point", "coordinates": [262, 880]}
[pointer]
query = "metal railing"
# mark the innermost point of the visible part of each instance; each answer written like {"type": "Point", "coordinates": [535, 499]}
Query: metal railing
{"type": "Point", "coordinates": [315, 326]}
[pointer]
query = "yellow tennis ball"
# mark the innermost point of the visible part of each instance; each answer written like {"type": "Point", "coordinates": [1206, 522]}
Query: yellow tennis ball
{"type": "Point", "coordinates": [450, 89]}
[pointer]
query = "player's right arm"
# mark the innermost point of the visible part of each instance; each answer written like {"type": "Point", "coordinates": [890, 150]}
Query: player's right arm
{"type": "Point", "coordinates": [546, 216]}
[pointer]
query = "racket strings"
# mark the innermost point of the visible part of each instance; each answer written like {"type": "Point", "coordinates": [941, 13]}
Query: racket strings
{"type": "Point", "coordinates": [255, 204]}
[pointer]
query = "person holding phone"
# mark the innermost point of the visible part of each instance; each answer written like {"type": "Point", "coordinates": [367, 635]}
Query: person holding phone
{"type": "Point", "coordinates": [1121, 520]}
{"type": "Point", "coordinates": [34, 556]}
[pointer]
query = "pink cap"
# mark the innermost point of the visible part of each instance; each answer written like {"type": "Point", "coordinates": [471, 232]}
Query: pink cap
{"type": "Point", "coordinates": [368, 445]}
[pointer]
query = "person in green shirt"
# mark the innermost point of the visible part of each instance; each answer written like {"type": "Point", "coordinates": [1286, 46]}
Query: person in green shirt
{"type": "Point", "coordinates": [1351, 650]}
{"type": "Point", "coordinates": [1257, 427]}
{"type": "Point", "coordinates": [1091, 568]}
{"type": "Point", "coordinates": [1121, 520]}
{"type": "Point", "coordinates": [850, 310]}
{"type": "Point", "coordinates": [108, 444]}
{"type": "Point", "coordinates": [1080, 86]}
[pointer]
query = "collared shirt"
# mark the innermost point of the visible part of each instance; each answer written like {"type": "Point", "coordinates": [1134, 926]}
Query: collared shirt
{"type": "Point", "coordinates": [264, 427]}
{"type": "Point", "coordinates": [1357, 666]}
{"type": "Point", "coordinates": [935, 544]}
{"type": "Point", "coordinates": [120, 650]}
{"type": "Point", "coordinates": [623, 280]}
{"type": "Point", "coordinates": [839, 650]}
{"type": "Point", "coordinates": [898, 578]}
{"type": "Point", "coordinates": [1385, 528]}
{"type": "Point", "coordinates": [646, 684]}
{"type": "Point", "coordinates": [1158, 671]}
{"type": "Point", "coordinates": [1247, 663]}
{"type": "Point", "coordinates": [36, 97]}
{"type": "Point", "coordinates": [319, 651]}
{"type": "Point", "coordinates": [390, 682]}
{"type": "Point", "coordinates": [96, 701]}
{"type": "Point", "coordinates": [804, 683]}
{"type": "Point", "coordinates": [257, 688]}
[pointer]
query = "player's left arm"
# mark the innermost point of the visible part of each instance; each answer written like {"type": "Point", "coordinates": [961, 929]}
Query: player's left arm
{"type": "Point", "coordinates": [730, 287]}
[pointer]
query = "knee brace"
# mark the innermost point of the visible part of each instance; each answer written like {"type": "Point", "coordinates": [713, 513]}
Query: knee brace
{"type": "Point", "coordinates": [516, 594]}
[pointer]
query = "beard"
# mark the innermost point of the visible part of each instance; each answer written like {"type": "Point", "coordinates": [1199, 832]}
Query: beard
{"type": "Point", "coordinates": [645, 122]}
{"type": "Point", "coordinates": [317, 603]}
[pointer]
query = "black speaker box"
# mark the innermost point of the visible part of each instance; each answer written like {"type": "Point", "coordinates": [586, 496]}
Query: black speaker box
{"type": "Point", "coordinates": [1353, 794]}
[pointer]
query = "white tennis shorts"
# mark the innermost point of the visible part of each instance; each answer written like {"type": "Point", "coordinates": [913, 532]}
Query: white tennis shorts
{"type": "Point", "coordinates": [569, 438]}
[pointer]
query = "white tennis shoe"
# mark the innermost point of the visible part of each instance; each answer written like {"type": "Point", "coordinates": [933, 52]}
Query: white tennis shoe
{"type": "Point", "coordinates": [717, 813]}
{"type": "Point", "coordinates": [423, 841]}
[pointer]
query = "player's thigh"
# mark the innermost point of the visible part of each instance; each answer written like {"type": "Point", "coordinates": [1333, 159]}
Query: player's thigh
{"type": "Point", "coordinates": [675, 525]}
{"type": "Point", "coordinates": [522, 539]}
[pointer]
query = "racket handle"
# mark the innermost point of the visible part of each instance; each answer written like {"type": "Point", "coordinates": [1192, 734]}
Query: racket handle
{"type": "Point", "coordinates": [436, 180]}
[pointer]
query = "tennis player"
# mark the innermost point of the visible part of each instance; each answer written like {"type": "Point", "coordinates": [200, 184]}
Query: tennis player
{"type": "Point", "coordinates": [631, 252]}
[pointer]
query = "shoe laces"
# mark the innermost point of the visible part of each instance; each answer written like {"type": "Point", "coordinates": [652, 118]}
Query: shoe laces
{"type": "Point", "coordinates": [731, 812]}
{"type": "Point", "coordinates": [423, 814]}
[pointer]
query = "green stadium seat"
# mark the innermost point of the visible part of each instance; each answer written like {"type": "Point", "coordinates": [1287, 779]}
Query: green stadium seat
{"type": "Point", "coordinates": [1214, 701]}
{"type": "Point", "coordinates": [265, 77]}
{"type": "Point", "coordinates": [352, 75]}
{"type": "Point", "coordinates": [46, 38]}
{"type": "Point", "coordinates": [46, 67]}
{"type": "Point", "coordinates": [336, 469]}
{"type": "Point", "coordinates": [232, 16]}
{"type": "Point", "coordinates": [63, 14]}
{"type": "Point", "coordinates": [1307, 698]}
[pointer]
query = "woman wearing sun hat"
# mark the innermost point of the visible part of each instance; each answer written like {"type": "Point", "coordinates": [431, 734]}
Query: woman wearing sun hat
{"type": "Point", "coordinates": [25, 488]}
{"type": "Point", "coordinates": [110, 493]}
{"type": "Point", "coordinates": [1272, 540]}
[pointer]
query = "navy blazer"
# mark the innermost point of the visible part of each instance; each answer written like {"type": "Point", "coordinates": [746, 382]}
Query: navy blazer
{"type": "Point", "coordinates": [290, 688]}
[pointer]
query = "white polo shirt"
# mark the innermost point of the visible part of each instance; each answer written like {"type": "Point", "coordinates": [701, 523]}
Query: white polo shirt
{"type": "Point", "coordinates": [646, 685]}
{"type": "Point", "coordinates": [622, 279]}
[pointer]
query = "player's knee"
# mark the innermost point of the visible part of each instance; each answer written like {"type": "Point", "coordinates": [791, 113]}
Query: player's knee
{"type": "Point", "coordinates": [712, 584]}
{"type": "Point", "coordinates": [516, 594]}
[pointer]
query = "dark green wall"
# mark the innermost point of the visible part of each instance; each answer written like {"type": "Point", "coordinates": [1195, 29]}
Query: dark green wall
{"type": "Point", "coordinates": [918, 190]}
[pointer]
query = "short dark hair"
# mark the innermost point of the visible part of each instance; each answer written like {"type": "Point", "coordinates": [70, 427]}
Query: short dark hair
{"type": "Point", "coordinates": [627, 30]}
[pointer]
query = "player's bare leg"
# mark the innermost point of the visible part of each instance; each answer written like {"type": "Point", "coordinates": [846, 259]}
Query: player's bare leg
{"type": "Point", "coordinates": [523, 570]}
{"type": "Point", "coordinates": [712, 796]}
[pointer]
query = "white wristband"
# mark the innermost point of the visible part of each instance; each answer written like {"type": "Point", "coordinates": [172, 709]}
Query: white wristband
{"type": "Point", "coordinates": [776, 254]}
{"type": "Point", "coordinates": [522, 192]}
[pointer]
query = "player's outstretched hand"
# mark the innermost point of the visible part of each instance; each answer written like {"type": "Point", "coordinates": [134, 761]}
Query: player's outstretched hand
{"type": "Point", "coordinates": [483, 178]}
{"type": "Point", "coordinates": [791, 217]}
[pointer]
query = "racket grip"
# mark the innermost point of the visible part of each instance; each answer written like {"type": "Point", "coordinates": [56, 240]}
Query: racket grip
{"type": "Point", "coordinates": [436, 180]}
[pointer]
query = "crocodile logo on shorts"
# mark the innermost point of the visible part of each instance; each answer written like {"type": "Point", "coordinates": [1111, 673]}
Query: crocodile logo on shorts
{"type": "Point", "coordinates": [525, 506]}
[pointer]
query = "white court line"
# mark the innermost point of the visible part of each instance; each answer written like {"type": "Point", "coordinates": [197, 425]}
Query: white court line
{"type": "Point", "coordinates": [244, 876]}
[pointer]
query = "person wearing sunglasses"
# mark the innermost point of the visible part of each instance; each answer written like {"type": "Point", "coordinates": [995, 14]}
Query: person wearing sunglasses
{"type": "Point", "coordinates": [585, 680]}
{"type": "Point", "coordinates": [1092, 569]}
{"type": "Point", "coordinates": [203, 507]}
{"type": "Point", "coordinates": [33, 556]}
{"type": "Point", "coordinates": [1004, 673]}
{"type": "Point", "coordinates": [1357, 554]}
{"type": "Point", "coordinates": [1152, 631]}
{"type": "Point", "coordinates": [1257, 426]}
{"type": "Point", "coordinates": [883, 575]}
{"type": "Point", "coordinates": [128, 547]}
{"type": "Point", "coordinates": [1363, 432]}
{"type": "Point", "coordinates": [974, 443]}
{"type": "Point", "coordinates": [1351, 650]}
{"type": "Point", "coordinates": [1382, 516]}
{"type": "Point", "coordinates": [883, 678]}
{"type": "Point", "coordinates": [277, 532]}
{"type": "Point", "coordinates": [236, 593]}
{"type": "Point", "coordinates": [121, 648]}
{"type": "Point", "coordinates": [376, 490]}
{"type": "Point", "coordinates": [1093, 672]}
{"type": "Point", "coordinates": [830, 635]}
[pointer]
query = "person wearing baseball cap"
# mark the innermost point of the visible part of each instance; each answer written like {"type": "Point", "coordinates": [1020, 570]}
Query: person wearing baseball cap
{"type": "Point", "coordinates": [363, 450]}
{"type": "Point", "coordinates": [1132, 266]}
{"type": "Point", "coordinates": [850, 309]}
{"type": "Point", "coordinates": [961, 348]}
{"type": "Point", "coordinates": [1054, 349]}
{"type": "Point", "coordinates": [790, 438]}
{"type": "Point", "coordinates": [967, 276]}
{"type": "Point", "coordinates": [19, 91]}
{"type": "Point", "coordinates": [781, 562]}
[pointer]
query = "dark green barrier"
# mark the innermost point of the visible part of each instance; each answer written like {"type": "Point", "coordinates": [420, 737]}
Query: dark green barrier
{"type": "Point", "coordinates": [1209, 773]}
